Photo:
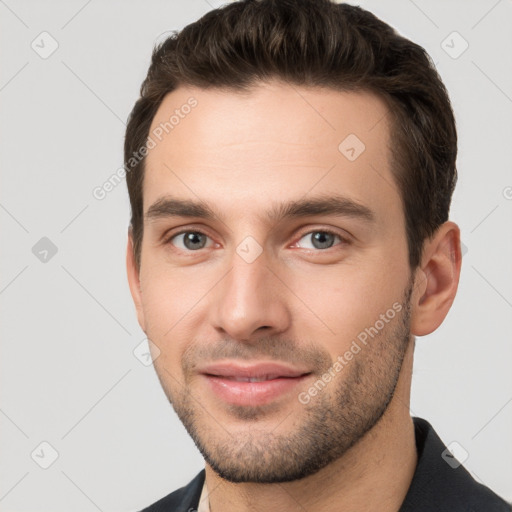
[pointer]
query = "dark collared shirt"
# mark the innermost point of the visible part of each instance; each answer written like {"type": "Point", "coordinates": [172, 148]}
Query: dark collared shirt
{"type": "Point", "coordinates": [439, 484]}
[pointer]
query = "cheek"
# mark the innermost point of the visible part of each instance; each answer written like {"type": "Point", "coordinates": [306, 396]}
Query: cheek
{"type": "Point", "coordinates": [171, 302]}
{"type": "Point", "coordinates": [168, 293]}
{"type": "Point", "coordinates": [342, 301]}
{"type": "Point", "coordinates": [165, 303]}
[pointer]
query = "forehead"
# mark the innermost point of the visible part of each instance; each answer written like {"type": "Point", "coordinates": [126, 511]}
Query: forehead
{"type": "Point", "coordinates": [275, 141]}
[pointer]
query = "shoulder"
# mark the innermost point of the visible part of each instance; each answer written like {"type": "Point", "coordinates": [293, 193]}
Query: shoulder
{"type": "Point", "coordinates": [184, 499]}
{"type": "Point", "coordinates": [441, 482]}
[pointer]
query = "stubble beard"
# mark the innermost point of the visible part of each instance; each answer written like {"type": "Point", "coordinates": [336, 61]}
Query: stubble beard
{"type": "Point", "coordinates": [331, 423]}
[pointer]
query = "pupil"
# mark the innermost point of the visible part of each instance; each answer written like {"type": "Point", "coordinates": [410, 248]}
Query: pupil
{"type": "Point", "coordinates": [322, 240]}
{"type": "Point", "coordinates": [191, 240]}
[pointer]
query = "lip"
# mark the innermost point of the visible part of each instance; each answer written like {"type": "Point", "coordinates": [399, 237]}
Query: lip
{"type": "Point", "coordinates": [252, 384]}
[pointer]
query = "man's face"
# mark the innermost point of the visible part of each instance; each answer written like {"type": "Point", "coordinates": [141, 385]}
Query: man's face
{"type": "Point", "coordinates": [255, 307]}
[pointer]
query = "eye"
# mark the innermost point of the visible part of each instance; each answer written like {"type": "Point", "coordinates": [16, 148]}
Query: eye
{"type": "Point", "coordinates": [190, 240]}
{"type": "Point", "coordinates": [320, 239]}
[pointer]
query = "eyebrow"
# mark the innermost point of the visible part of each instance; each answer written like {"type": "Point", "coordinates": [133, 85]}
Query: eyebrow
{"type": "Point", "coordinates": [334, 205]}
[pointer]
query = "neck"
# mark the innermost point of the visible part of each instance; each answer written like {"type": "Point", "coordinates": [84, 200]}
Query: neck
{"type": "Point", "coordinates": [374, 474]}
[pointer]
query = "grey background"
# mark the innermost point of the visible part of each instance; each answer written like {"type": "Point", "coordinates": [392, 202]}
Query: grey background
{"type": "Point", "coordinates": [69, 376]}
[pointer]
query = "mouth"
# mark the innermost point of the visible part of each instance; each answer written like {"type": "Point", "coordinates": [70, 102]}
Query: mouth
{"type": "Point", "coordinates": [252, 379]}
{"type": "Point", "coordinates": [252, 384]}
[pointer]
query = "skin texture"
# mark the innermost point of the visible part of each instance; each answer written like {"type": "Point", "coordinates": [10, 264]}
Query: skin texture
{"type": "Point", "coordinates": [243, 154]}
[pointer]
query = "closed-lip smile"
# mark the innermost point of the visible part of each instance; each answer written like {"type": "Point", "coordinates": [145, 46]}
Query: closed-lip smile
{"type": "Point", "coordinates": [251, 383]}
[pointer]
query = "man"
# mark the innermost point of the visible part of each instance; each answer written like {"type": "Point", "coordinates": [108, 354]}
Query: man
{"type": "Point", "coordinates": [291, 165]}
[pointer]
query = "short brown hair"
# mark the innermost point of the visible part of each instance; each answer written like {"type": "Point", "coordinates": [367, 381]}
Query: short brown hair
{"type": "Point", "coordinates": [313, 43]}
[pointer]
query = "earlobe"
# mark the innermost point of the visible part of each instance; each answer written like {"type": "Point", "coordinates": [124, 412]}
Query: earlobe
{"type": "Point", "coordinates": [133, 273]}
{"type": "Point", "coordinates": [437, 280]}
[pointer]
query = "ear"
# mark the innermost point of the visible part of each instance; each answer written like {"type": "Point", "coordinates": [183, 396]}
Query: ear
{"type": "Point", "coordinates": [436, 279]}
{"type": "Point", "coordinates": [134, 281]}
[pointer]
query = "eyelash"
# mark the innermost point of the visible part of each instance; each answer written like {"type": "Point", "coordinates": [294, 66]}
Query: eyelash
{"type": "Point", "coordinates": [343, 240]}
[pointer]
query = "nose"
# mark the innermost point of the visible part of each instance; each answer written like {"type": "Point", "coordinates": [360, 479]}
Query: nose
{"type": "Point", "coordinates": [250, 301]}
